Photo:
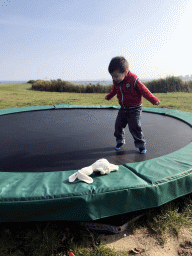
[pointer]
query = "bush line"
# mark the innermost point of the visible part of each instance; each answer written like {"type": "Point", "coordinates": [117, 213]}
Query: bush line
{"type": "Point", "coordinates": [169, 84]}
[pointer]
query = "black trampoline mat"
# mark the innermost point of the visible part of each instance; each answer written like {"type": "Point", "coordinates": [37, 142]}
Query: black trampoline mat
{"type": "Point", "coordinates": [70, 139]}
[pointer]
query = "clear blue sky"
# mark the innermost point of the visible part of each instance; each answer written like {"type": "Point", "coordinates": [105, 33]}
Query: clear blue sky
{"type": "Point", "coordinates": [76, 39]}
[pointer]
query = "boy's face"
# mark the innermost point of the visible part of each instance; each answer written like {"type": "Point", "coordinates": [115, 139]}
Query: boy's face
{"type": "Point", "coordinates": [118, 77]}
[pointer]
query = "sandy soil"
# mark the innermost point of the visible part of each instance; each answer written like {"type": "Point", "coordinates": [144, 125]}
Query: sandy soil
{"type": "Point", "coordinates": [144, 242]}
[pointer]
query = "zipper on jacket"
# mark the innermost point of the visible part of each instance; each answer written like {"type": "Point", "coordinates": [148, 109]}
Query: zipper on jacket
{"type": "Point", "coordinates": [122, 96]}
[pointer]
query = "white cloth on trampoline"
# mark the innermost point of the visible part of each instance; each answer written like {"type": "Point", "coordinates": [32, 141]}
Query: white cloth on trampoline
{"type": "Point", "coordinates": [101, 165]}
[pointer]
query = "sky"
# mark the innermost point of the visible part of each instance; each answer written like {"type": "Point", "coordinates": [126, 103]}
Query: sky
{"type": "Point", "coordinates": [76, 39]}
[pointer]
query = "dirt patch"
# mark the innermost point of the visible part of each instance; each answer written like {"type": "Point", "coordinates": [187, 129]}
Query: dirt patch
{"type": "Point", "coordinates": [144, 242]}
{"type": "Point", "coordinates": [186, 243]}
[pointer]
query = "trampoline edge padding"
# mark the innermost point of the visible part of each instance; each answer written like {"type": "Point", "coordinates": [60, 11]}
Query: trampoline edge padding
{"type": "Point", "coordinates": [136, 186]}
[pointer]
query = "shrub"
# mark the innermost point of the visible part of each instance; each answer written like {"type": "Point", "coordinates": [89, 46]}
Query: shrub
{"type": "Point", "coordinates": [31, 81]}
{"type": "Point", "coordinates": [65, 86]}
{"type": "Point", "coordinates": [169, 84]}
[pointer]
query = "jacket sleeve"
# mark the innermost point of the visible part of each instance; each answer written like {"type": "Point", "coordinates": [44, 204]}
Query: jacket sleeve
{"type": "Point", "coordinates": [146, 93]}
{"type": "Point", "coordinates": [112, 93]}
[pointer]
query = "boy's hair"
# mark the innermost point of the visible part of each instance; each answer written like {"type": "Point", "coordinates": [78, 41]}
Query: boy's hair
{"type": "Point", "coordinates": [118, 63]}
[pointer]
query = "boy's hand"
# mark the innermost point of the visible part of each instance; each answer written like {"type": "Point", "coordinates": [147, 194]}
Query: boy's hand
{"type": "Point", "coordinates": [106, 97]}
{"type": "Point", "coordinates": [157, 103]}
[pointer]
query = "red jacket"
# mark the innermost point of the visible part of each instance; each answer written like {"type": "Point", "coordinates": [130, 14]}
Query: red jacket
{"type": "Point", "coordinates": [127, 94]}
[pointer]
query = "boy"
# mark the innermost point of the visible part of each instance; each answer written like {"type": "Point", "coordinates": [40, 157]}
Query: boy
{"type": "Point", "coordinates": [130, 92]}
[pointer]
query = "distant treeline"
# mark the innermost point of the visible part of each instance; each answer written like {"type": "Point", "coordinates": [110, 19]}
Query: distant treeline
{"type": "Point", "coordinates": [169, 84]}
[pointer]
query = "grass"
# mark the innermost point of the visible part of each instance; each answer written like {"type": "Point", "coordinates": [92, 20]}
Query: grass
{"type": "Point", "coordinates": [58, 238]}
{"type": "Point", "coordinates": [19, 95]}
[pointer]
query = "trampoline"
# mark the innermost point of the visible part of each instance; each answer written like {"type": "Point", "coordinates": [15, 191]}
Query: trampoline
{"type": "Point", "coordinates": [42, 146]}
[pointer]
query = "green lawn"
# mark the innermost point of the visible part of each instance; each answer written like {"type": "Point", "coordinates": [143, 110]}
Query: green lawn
{"type": "Point", "coordinates": [18, 95]}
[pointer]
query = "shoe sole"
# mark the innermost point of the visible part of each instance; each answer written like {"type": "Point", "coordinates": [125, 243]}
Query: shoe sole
{"type": "Point", "coordinates": [119, 147]}
{"type": "Point", "coordinates": [143, 152]}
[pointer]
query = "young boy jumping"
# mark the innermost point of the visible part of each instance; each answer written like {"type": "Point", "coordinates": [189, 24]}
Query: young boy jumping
{"type": "Point", "coordinates": [130, 92]}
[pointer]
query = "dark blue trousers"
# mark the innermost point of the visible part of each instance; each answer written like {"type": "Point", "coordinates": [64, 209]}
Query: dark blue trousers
{"type": "Point", "coordinates": [132, 117]}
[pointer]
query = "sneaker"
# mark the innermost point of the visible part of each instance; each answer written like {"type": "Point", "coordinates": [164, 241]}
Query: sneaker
{"type": "Point", "coordinates": [119, 145]}
{"type": "Point", "coordinates": [142, 150]}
